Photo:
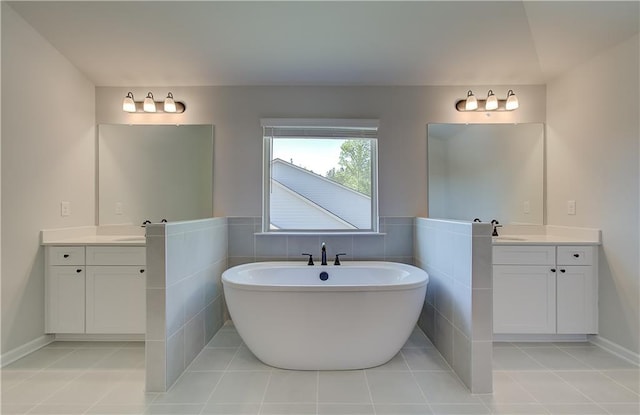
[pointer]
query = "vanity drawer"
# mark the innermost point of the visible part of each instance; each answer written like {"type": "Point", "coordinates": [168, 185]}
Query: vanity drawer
{"type": "Point", "coordinates": [575, 255]}
{"type": "Point", "coordinates": [116, 255]}
{"type": "Point", "coordinates": [66, 255]}
{"type": "Point", "coordinates": [524, 255]}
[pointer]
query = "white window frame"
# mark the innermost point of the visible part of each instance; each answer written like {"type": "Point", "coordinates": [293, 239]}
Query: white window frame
{"type": "Point", "coordinates": [355, 124]}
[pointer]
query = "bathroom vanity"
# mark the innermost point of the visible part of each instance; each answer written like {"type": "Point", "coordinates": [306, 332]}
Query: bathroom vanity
{"type": "Point", "coordinates": [545, 284]}
{"type": "Point", "coordinates": [95, 284]}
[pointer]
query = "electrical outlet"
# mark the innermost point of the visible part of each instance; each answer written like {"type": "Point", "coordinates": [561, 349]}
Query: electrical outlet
{"type": "Point", "coordinates": [65, 208]}
{"type": "Point", "coordinates": [118, 208]}
{"type": "Point", "coordinates": [571, 207]}
{"type": "Point", "coordinates": [526, 207]}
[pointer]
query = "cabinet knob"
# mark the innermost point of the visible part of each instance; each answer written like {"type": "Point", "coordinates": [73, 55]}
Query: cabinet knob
{"type": "Point", "coordinates": [576, 255]}
{"type": "Point", "coordinates": [563, 270]}
{"type": "Point", "coordinates": [553, 270]}
{"type": "Point", "coordinates": [78, 270]}
{"type": "Point", "coordinates": [142, 271]}
{"type": "Point", "coordinates": [65, 256]}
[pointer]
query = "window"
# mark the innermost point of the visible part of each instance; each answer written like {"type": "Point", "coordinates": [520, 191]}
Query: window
{"type": "Point", "coordinates": [320, 175]}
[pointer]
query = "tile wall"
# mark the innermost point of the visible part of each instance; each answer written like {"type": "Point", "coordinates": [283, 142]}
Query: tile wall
{"type": "Point", "coordinates": [247, 245]}
{"type": "Point", "coordinates": [185, 262]}
{"type": "Point", "coordinates": [458, 311]}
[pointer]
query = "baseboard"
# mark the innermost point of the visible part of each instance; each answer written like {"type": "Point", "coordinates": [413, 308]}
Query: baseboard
{"type": "Point", "coordinates": [99, 337]}
{"type": "Point", "coordinates": [540, 338]}
{"type": "Point", "coordinates": [615, 349]}
{"type": "Point", "coordinates": [19, 352]}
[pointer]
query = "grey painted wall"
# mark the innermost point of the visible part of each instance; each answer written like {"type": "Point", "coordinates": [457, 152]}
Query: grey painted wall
{"type": "Point", "coordinates": [235, 112]}
{"type": "Point", "coordinates": [593, 158]}
{"type": "Point", "coordinates": [48, 156]}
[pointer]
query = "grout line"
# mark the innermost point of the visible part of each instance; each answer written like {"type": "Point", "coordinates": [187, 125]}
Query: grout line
{"type": "Point", "coordinates": [366, 382]}
{"type": "Point", "coordinates": [221, 376]}
{"type": "Point", "coordinates": [602, 371]}
{"type": "Point", "coordinates": [523, 350]}
{"type": "Point", "coordinates": [264, 394]}
{"type": "Point", "coordinates": [317, 392]}
{"type": "Point", "coordinates": [43, 370]}
{"type": "Point", "coordinates": [413, 376]}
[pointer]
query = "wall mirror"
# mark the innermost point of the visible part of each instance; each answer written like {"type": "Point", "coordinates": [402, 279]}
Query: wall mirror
{"type": "Point", "coordinates": [487, 171]}
{"type": "Point", "coordinates": [154, 172]}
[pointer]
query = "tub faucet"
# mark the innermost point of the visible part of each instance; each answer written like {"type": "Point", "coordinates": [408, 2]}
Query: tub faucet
{"type": "Point", "coordinates": [324, 255]}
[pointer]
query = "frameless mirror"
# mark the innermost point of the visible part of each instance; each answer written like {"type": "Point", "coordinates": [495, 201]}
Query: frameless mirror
{"type": "Point", "coordinates": [487, 171]}
{"type": "Point", "coordinates": [154, 172]}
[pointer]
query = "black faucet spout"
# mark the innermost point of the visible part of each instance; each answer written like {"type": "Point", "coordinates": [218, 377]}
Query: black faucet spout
{"type": "Point", "coordinates": [496, 225]}
{"type": "Point", "coordinates": [324, 255]}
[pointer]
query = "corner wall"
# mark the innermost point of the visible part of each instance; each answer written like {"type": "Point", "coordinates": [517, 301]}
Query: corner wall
{"type": "Point", "coordinates": [48, 156]}
{"type": "Point", "coordinates": [593, 143]}
{"type": "Point", "coordinates": [185, 262]}
{"type": "Point", "coordinates": [458, 312]}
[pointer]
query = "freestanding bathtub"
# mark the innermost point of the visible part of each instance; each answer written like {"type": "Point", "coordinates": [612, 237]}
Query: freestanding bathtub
{"type": "Point", "coordinates": [290, 318]}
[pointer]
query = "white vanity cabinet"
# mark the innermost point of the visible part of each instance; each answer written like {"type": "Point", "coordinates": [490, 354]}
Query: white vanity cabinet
{"type": "Point", "coordinates": [577, 290]}
{"type": "Point", "coordinates": [544, 289]}
{"type": "Point", "coordinates": [65, 289]}
{"type": "Point", "coordinates": [115, 289]}
{"type": "Point", "coordinates": [95, 289]}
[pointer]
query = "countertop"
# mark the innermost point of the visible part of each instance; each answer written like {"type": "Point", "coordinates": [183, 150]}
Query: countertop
{"type": "Point", "coordinates": [132, 240]}
{"type": "Point", "coordinates": [541, 240]}
{"type": "Point", "coordinates": [128, 235]}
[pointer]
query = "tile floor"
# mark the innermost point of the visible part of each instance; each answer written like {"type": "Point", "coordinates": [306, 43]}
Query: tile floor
{"type": "Point", "coordinates": [529, 378]}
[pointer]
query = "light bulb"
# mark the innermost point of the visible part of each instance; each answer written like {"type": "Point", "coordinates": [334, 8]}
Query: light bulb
{"type": "Point", "coordinates": [169, 103]}
{"type": "Point", "coordinates": [149, 104]}
{"type": "Point", "coordinates": [512, 101]}
{"type": "Point", "coordinates": [471, 102]}
{"type": "Point", "coordinates": [492, 101]}
{"type": "Point", "coordinates": [128, 104]}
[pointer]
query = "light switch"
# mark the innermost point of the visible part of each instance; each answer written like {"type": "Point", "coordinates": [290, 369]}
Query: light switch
{"type": "Point", "coordinates": [571, 207]}
{"type": "Point", "coordinates": [526, 207]}
{"type": "Point", "coordinates": [65, 208]}
{"type": "Point", "coordinates": [118, 208]}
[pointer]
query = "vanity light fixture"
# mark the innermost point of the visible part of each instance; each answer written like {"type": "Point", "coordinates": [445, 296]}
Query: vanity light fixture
{"type": "Point", "coordinates": [128, 104]}
{"type": "Point", "coordinates": [169, 103]}
{"type": "Point", "coordinates": [471, 103]}
{"type": "Point", "coordinates": [512, 101]}
{"type": "Point", "coordinates": [150, 106]}
{"type": "Point", "coordinates": [492, 103]}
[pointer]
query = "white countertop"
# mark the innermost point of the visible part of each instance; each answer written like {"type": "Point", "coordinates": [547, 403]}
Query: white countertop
{"type": "Point", "coordinates": [100, 240]}
{"type": "Point", "coordinates": [95, 235]}
{"type": "Point", "coordinates": [541, 240]}
{"type": "Point", "coordinates": [547, 235]}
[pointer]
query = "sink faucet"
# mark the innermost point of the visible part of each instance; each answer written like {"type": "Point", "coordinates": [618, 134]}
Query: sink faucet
{"type": "Point", "coordinates": [324, 255]}
{"type": "Point", "coordinates": [496, 225]}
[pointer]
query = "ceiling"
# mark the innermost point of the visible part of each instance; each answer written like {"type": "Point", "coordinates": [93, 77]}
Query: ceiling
{"type": "Point", "coordinates": [182, 43]}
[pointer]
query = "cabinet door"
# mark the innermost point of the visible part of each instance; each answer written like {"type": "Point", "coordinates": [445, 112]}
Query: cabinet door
{"type": "Point", "coordinates": [577, 304]}
{"type": "Point", "coordinates": [65, 299]}
{"type": "Point", "coordinates": [524, 299]}
{"type": "Point", "coordinates": [116, 300]}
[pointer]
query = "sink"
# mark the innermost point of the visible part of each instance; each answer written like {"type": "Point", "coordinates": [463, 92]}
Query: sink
{"type": "Point", "coordinates": [131, 239]}
{"type": "Point", "coordinates": [508, 238]}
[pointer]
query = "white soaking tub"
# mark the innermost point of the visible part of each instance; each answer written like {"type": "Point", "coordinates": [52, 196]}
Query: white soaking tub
{"type": "Point", "coordinates": [359, 317]}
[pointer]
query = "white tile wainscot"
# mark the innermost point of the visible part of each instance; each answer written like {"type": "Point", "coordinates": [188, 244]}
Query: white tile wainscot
{"type": "Point", "coordinates": [185, 262]}
{"type": "Point", "coordinates": [457, 314]}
